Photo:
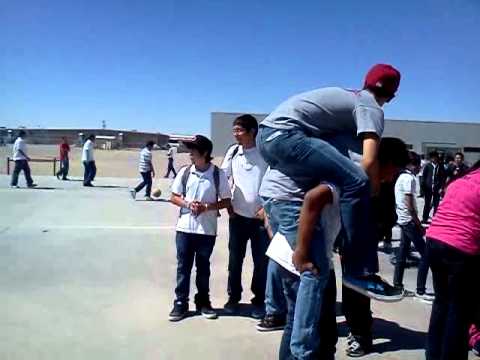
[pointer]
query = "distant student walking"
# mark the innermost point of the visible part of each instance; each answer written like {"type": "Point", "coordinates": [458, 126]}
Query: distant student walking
{"type": "Point", "coordinates": [89, 161]}
{"type": "Point", "coordinates": [146, 171]}
{"type": "Point", "coordinates": [64, 160]}
{"type": "Point", "coordinates": [170, 167]}
{"type": "Point", "coordinates": [21, 161]}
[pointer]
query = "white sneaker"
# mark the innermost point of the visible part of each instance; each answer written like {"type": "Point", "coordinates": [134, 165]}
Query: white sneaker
{"type": "Point", "coordinates": [133, 194]}
{"type": "Point", "coordinates": [14, 186]}
{"type": "Point", "coordinates": [425, 297]}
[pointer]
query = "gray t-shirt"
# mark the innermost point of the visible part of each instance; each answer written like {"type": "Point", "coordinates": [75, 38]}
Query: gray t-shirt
{"type": "Point", "coordinates": [277, 185]}
{"type": "Point", "coordinates": [328, 111]}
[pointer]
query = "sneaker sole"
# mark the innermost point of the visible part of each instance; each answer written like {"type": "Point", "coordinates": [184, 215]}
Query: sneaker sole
{"type": "Point", "coordinates": [274, 328]}
{"type": "Point", "coordinates": [210, 316]}
{"type": "Point", "coordinates": [371, 295]}
{"type": "Point", "coordinates": [176, 318]}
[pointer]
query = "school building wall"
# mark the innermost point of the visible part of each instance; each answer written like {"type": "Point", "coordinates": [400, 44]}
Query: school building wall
{"type": "Point", "coordinates": [123, 138]}
{"type": "Point", "coordinates": [422, 136]}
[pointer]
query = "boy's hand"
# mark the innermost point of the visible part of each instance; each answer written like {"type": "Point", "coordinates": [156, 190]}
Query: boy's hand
{"type": "Point", "coordinates": [197, 208]}
{"type": "Point", "coordinates": [302, 263]}
{"type": "Point", "coordinates": [260, 215]}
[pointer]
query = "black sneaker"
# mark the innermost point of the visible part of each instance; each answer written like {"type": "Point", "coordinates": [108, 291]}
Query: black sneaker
{"type": "Point", "coordinates": [32, 186]}
{"type": "Point", "coordinates": [271, 323]}
{"type": "Point", "coordinates": [258, 312]}
{"type": "Point", "coordinates": [207, 311]}
{"type": "Point", "coordinates": [358, 346]}
{"type": "Point", "coordinates": [374, 287]}
{"type": "Point", "coordinates": [179, 311]}
{"type": "Point", "coordinates": [231, 307]}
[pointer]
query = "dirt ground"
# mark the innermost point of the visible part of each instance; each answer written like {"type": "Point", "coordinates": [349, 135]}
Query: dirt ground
{"type": "Point", "coordinates": [110, 163]}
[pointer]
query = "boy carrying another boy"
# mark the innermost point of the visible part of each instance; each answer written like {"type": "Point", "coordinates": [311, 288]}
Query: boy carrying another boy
{"type": "Point", "coordinates": [311, 223]}
{"type": "Point", "coordinates": [200, 190]}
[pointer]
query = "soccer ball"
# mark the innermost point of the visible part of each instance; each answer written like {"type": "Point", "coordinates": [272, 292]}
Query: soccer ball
{"type": "Point", "coordinates": [157, 192]}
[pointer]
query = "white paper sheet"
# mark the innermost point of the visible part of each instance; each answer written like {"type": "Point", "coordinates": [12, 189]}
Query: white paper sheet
{"type": "Point", "coordinates": [280, 251]}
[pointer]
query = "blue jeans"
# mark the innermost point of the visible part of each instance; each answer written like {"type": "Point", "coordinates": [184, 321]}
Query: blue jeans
{"type": "Point", "coordinates": [308, 161]}
{"type": "Point", "coordinates": [147, 181]}
{"type": "Point", "coordinates": [275, 303]}
{"type": "Point", "coordinates": [90, 172]}
{"type": "Point", "coordinates": [192, 247]}
{"type": "Point", "coordinates": [307, 311]}
{"type": "Point", "coordinates": [64, 167]}
{"type": "Point", "coordinates": [411, 233]}
{"type": "Point", "coordinates": [21, 165]}
{"type": "Point", "coordinates": [241, 230]}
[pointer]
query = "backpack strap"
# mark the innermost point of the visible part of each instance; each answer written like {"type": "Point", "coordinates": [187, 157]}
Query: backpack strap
{"type": "Point", "coordinates": [216, 181]}
{"type": "Point", "coordinates": [235, 151]}
{"type": "Point", "coordinates": [185, 176]}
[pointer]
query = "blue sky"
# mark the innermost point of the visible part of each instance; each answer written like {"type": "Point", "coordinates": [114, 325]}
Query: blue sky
{"type": "Point", "coordinates": [165, 65]}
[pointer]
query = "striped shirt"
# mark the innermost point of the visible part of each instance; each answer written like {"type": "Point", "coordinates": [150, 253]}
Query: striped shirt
{"type": "Point", "coordinates": [145, 160]}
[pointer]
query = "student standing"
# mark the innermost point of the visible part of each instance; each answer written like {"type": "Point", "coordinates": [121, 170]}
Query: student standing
{"type": "Point", "coordinates": [411, 228]}
{"type": "Point", "coordinates": [200, 191]}
{"type": "Point", "coordinates": [453, 249]}
{"type": "Point", "coordinates": [433, 178]}
{"type": "Point", "coordinates": [245, 168]}
{"type": "Point", "coordinates": [64, 159]}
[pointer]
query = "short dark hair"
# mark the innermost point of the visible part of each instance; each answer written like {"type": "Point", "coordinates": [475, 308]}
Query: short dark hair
{"type": "Point", "coordinates": [248, 122]}
{"type": "Point", "coordinates": [393, 151]}
{"type": "Point", "coordinates": [91, 137]}
{"type": "Point", "coordinates": [413, 158]}
{"type": "Point", "coordinates": [150, 143]}
{"type": "Point", "coordinates": [22, 133]}
{"type": "Point", "coordinates": [460, 154]}
{"type": "Point", "coordinates": [433, 154]}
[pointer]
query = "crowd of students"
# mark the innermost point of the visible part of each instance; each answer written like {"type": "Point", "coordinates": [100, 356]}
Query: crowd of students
{"type": "Point", "coordinates": [310, 174]}
{"type": "Point", "coordinates": [317, 174]}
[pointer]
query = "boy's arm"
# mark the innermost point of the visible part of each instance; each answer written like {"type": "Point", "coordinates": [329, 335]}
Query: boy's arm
{"type": "Point", "coordinates": [314, 201]}
{"type": "Point", "coordinates": [370, 160]}
{"type": "Point", "coordinates": [413, 212]}
{"type": "Point", "coordinates": [178, 200]}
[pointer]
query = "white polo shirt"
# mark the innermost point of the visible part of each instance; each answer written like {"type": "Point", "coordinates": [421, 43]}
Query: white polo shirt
{"type": "Point", "coordinates": [19, 144]}
{"type": "Point", "coordinates": [87, 153]}
{"type": "Point", "coordinates": [245, 170]}
{"type": "Point", "coordinates": [200, 187]}
{"type": "Point", "coordinates": [405, 185]}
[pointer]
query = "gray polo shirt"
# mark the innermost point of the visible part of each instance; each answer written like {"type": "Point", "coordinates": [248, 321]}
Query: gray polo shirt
{"type": "Point", "coordinates": [328, 111]}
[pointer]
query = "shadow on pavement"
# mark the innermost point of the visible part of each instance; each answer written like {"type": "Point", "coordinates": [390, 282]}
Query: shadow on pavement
{"type": "Point", "coordinates": [244, 310]}
{"type": "Point", "coordinates": [110, 187]}
{"type": "Point", "coordinates": [45, 188]}
{"type": "Point", "coordinates": [397, 337]}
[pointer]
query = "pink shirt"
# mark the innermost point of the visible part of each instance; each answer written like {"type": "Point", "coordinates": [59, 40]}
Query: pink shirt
{"type": "Point", "coordinates": [457, 221]}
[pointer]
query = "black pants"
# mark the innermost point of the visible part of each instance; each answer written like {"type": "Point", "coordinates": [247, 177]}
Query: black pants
{"type": "Point", "coordinates": [431, 198]}
{"type": "Point", "coordinates": [241, 230]}
{"type": "Point", "coordinates": [411, 233]}
{"type": "Point", "coordinates": [191, 247]}
{"type": "Point", "coordinates": [147, 181]}
{"type": "Point", "coordinates": [170, 168]}
{"type": "Point", "coordinates": [455, 280]}
{"type": "Point", "coordinates": [356, 308]}
{"type": "Point", "coordinates": [64, 167]}
{"type": "Point", "coordinates": [89, 173]}
{"type": "Point", "coordinates": [19, 166]}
